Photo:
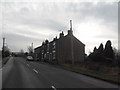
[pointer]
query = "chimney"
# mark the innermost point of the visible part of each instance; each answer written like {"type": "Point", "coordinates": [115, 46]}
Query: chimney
{"type": "Point", "coordinates": [70, 32]}
{"type": "Point", "coordinates": [70, 24]}
{"type": "Point", "coordinates": [61, 34]}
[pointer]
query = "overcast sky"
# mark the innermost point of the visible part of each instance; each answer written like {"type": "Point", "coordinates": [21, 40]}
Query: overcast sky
{"type": "Point", "coordinates": [27, 21]}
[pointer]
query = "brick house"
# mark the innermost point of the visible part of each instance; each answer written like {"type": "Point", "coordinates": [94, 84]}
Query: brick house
{"type": "Point", "coordinates": [65, 49]}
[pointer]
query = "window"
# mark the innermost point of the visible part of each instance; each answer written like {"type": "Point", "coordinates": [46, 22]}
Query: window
{"type": "Point", "coordinates": [54, 56]}
{"type": "Point", "coordinates": [42, 51]}
{"type": "Point", "coordinates": [42, 56]}
{"type": "Point", "coordinates": [53, 51]}
{"type": "Point", "coordinates": [54, 45]}
{"type": "Point", "coordinates": [45, 56]}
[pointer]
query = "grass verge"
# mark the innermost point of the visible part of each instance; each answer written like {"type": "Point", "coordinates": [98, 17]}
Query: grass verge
{"type": "Point", "coordinates": [113, 78]}
{"type": "Point", "coordinates": [5, 60]}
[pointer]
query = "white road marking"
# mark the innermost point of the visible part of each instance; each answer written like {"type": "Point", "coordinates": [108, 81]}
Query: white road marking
{"type": "Point", "coordinates": [28, 65]}
{"type": "Point", "coordinates": [53, 87]}
{"type": "Point", "coordinates": [35, 70]}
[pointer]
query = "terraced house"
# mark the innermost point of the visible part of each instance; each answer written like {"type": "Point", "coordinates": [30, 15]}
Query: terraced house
{"type": "Point", "coordinates": [65, 49]}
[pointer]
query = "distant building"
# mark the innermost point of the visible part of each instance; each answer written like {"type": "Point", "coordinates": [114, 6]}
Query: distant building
{"type": "Point", "coordinates": [65, 49]}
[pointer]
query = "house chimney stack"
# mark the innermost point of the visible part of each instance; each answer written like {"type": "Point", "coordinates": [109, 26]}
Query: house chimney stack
{"type": "Point", "coordinates": [70, 32]}
{"type": "Point", "coordinates": [61, 34]}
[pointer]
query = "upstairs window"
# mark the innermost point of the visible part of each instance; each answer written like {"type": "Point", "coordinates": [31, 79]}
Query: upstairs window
{"type": "Point", "coordinates": [54, 56]}
{"type": "Point", "coordinates": [54, 45]}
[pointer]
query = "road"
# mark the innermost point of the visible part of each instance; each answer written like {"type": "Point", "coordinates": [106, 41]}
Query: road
{"type": "Point", "coordinates": [19, 73]}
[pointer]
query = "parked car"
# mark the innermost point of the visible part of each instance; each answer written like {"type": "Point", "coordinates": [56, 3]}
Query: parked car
{"type": "Point", "coordinates": [30, 58]}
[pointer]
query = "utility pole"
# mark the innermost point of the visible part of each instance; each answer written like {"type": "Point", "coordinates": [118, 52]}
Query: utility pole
{"type": "Point", "coordinates": [3, 48]}
{"type": "Point", "coordinates": [3, 43]}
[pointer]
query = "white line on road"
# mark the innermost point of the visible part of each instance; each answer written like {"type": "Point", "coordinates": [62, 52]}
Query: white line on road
{"type": "Point", "coordinates": [53, 87]}
{"type": "Point", "coordinates": [35, 70]}
{"type": "Point", "coordinates": [28, 65]}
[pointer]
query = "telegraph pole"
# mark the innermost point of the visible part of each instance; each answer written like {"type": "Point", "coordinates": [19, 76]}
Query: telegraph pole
{"type": "Point", "coordinates": [3, 48]}
{"type": "Point", "coordinates": [3, 43]}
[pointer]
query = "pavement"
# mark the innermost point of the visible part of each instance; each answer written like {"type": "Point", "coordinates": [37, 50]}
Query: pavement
{"type": "Point", "coordinates": [19, 73]}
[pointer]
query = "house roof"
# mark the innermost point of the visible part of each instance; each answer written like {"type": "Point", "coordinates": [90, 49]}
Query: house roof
{"type": "Point", "coordinates": [55, 39]}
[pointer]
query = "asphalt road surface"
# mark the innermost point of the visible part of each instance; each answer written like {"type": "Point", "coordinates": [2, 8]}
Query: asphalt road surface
{"type": "Point", "coordinates": [19, 73]}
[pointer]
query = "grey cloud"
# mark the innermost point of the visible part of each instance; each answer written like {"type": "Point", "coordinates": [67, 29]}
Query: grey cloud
{"type": "Point", "coordinates": [32, 19]}
{"type": "Point", "coordinates": [44, 23]}
{"type": "Point", "coordinates": [15, 37]}
{"type": "Point", "coordinates": [107, 36]}
{"type": "Point", "coordinates": [17, 42]}
{"type": "Point", "coordinates": [105, 11]}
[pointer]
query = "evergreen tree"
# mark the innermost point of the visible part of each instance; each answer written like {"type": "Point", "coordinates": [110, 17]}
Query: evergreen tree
{"type": "Point", "coordinates": [100, 49]}
{"type": "Point", "coordinates": [108, 52]}
{"type": "Point", "coordinates": [95, 49]}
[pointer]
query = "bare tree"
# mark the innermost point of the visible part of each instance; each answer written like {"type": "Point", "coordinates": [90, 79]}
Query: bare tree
{"type": "Point", "coordinates": [21, 52]}
{"type": "Point", "coordinates": [30, 49]}
{"type": "Point", "coordinates": [5, 52]}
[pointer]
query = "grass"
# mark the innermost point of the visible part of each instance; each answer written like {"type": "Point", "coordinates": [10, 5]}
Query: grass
{"type": "Point", "coordinates": [104, 76]}
{"type": "Point", "coordinates": [4, 60]}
